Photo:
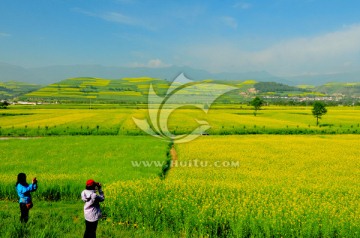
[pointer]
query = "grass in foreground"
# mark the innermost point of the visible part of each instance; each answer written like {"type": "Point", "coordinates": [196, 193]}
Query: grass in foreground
{"type": "Point", "coordinates": [63, 164]}
{"type": "Point", "coordinates": [62, 219]}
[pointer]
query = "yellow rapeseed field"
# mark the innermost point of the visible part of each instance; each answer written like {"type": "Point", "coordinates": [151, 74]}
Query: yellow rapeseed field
{"type": "Point", "coordinates": [258, 186]}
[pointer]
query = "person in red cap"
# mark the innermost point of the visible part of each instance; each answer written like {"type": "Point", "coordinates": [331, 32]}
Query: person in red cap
{"type": "Point", "coordinates": [92, 210]}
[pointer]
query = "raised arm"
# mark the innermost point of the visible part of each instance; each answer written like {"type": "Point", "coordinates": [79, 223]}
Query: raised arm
{"type": "Point", "coordinates": [31, 188]}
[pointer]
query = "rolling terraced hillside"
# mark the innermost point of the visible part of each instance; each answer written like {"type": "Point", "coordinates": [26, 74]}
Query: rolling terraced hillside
{"type": "Point", "coordinates": [80, 89]}
{"type": "Point", "coordinates": [13, 89]}
{"type": "Point", "coordinates": [351, 89]}
{"type": "Point", "coordinates": [135, 90]}
{"type": "Point", "coordinates": [126, 90]}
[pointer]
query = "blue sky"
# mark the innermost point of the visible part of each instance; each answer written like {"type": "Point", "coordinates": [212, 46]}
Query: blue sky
{"type": "Point", "coordinates": [284, 37]}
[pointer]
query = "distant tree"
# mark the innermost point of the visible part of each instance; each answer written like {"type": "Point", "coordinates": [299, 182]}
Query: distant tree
{"type": "Point", "coordinates": [318, 110]}
{"type": "Point", "coordinates": [4, 104]}
{"type": "Point", "coordinates": [257, 103]}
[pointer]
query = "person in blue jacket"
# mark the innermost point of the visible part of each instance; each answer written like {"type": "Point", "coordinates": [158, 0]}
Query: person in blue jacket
{"type": "Point", "coordinates": [23, 190]}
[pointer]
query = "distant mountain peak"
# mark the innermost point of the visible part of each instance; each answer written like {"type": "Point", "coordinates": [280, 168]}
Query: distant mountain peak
{"type": "Point", "coordinates": [55, 73]}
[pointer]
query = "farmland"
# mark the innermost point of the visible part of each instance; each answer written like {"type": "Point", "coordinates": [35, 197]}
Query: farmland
{"type": "Point", "coordinates": [277, 174]}
{"type": "Point", "coordinates": [13, 89]}
{"type": "Point", "coordinates": [282, 185]}
{"type": "Point", "coordinates": [135, 90]}
{"type": "Point", "coordinates": [128, 90]}
{"type": "Point", "coordinates": [224, 120]}
{"type": "Point", "coordinates": [62, 165]}
{"type": "Point", "coordinates": [179, 119]}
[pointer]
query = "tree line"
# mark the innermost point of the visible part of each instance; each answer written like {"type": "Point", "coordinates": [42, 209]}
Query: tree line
{"type": "Point", "coordinates": [318, 110]}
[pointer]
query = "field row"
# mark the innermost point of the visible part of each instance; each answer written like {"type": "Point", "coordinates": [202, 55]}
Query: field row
{"type": "Point", "coordinates": [272, 120]}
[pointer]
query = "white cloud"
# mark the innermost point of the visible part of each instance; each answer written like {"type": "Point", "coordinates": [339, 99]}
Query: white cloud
{"type": "Point", "coordinates": [229, 21]}
{"type": "Point", "coordinates": [3, 34]}
{"type": "Point", "coordinates": [330, 52]}
{"type": "Point", "coordinates": [156, 63]}
{"type": "Point", "coordinates": [119, 18]}
{"type": "Point", "coordinates": [242, 5]}
{"type": "Point", "coordinates": [115, 17]}
{"type": "Point", "coordinates": [153, 63]}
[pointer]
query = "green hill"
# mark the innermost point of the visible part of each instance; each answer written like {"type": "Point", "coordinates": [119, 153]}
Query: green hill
{"type": "Point", "coordinates": [278, 89]}
{"type": "Point", "coordinates": [348, 89]}
{"type": "Point", "coordinates": [12, 89]}
{"type": "Point", "coordinates": [135, 90]}
{"type": "Point", "coordinates": [80, 89]}
{"type": "Point", "coordinates": [125, 90]}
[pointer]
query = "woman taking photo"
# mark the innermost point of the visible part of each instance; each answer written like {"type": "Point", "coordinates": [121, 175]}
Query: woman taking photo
{"type": "Point", "coordinates": [23, 190]}
{"type": "Point", "coordinates": [92, 210]}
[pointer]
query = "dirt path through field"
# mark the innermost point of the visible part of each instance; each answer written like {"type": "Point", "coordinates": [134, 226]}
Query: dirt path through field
{"type": "Point", "coordinates": [173, 154]}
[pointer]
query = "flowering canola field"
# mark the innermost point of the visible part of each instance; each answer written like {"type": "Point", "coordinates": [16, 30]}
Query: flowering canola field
{"type": "Point", "coordinates": [282, 186]}
{"type": "Point", "coordinates": [54, 120]}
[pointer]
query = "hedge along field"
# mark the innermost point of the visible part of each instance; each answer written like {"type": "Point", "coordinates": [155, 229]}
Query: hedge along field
{"type": "Point", "coordinates": [284, 186]}
{"type": "Point", "coordinates": [17, 121]}
{"type": "Point", "coordinates": [63, 164]}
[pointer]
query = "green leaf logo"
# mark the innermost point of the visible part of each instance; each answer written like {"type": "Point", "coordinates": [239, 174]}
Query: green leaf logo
{"type": "Point", "coordinates": [182, 92]}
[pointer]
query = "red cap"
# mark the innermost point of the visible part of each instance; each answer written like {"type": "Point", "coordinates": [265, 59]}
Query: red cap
{"type": "Point", "coordinates": [90, 183]}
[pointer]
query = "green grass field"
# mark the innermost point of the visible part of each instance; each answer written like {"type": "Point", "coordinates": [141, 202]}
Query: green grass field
{"type": "Point", "coordinates": [62, 164]}
{"type": "Point", "coordinates": [63, 219]}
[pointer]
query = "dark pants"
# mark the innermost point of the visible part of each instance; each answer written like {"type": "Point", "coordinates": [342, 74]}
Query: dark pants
{"type": "Point", "coordinates": [90, 231]}
{"type": "Point", "coordinates": [24, 213]}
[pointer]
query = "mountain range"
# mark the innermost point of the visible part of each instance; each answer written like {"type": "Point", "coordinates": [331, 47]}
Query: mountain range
{"type": "Point", "coordinates": [51, 74]}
